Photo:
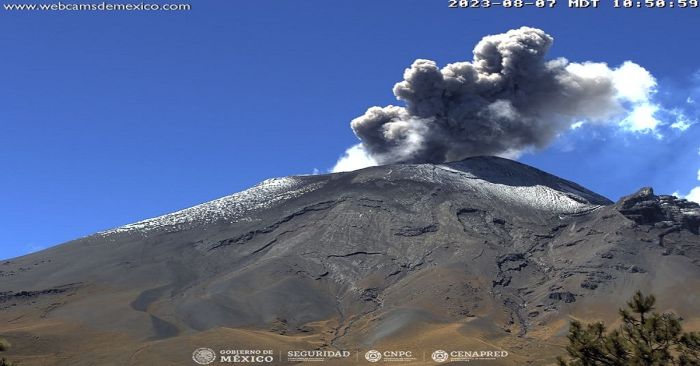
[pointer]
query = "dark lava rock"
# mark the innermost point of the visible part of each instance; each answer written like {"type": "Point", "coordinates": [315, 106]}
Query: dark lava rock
{"type": "Point", "coordinates": [566, 297]}
{"type": "Point", "coordinates": [663, 212]}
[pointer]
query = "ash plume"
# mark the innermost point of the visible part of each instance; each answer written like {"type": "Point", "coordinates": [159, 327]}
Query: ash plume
{"type": "Point", "coordinates": [508, 98]}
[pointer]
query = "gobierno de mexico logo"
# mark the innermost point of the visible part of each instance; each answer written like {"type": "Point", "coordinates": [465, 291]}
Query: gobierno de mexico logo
{"type": "Point", "coordinates": [204, 356]}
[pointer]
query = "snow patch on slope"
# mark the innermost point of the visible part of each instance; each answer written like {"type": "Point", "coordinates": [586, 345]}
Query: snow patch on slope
{"type": "Point", "coordinates": [538, 196]}
{"type": "Point", "coordinates": [235, 207]}
{"type": "Point", "coordinates": [504, 182]}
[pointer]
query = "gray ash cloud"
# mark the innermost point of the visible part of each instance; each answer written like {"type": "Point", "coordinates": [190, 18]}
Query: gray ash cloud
{"type": "Point", "coordinates": [508, 98]}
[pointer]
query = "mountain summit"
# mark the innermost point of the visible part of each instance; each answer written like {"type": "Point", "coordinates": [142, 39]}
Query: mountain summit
{"type": "Point", "coordinates": [481, 253]}
{"type": "Point", "coordinates": [503, 180]}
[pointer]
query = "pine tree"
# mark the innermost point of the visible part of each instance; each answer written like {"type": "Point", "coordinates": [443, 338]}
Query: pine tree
{"type": "Point", "coordinates": [4, 346]}
{"type": "Point", "coordinates": [645, 338]}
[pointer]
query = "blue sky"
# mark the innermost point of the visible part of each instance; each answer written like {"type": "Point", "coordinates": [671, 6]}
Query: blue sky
{"type": "Point", "coordinates": [110, 118]}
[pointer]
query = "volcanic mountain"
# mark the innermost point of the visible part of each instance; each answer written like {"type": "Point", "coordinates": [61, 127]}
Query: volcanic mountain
{"type": "Point", "coordinates": [480, 254]}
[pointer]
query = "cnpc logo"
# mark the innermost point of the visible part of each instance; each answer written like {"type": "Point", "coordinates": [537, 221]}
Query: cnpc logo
{"type": "Point", "coordinates": [373, 356]}
{"type": "Point", "coordinates": [389, 356]}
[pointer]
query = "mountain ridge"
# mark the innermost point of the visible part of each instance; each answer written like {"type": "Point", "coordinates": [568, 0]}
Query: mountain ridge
{"type": "Point", "coordinates": [281, 188]}
{"type": "Point", "coordinates": [483, 249]}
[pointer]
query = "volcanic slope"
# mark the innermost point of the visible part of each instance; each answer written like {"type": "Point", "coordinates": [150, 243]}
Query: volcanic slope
{"type": "Point", "coordinates": [480, 254]}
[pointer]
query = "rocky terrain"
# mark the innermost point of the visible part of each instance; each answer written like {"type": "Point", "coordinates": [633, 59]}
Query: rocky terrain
{"type": "Point", "coordinates": [484, 254]}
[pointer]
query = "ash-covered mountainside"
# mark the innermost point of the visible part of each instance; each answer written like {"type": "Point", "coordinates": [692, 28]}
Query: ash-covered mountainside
{"type": "Point", "coordinates": [481, 250]}
{"type": "Point", "coordinates": [505, 181]}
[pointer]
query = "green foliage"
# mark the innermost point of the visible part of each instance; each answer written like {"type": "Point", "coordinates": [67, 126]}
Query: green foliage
{"type": "Point", "coordinates": [645, 338]}
{"type": "Point", "coordinates": [4, 346]}
{"type": "Point", "coordinates": [690, 344]}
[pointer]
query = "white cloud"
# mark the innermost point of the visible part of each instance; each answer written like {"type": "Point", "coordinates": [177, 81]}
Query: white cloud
{"type": "Point", "coordinates": [694, 195]}
{"type": "Point", "coordinates": [513, 154]}
{"type": "Point", "coordinates": [635, 88]}
{"type": "Point", "coordinates": [680, 125]}
{"type": "Point", "coordinates": [634, 83]}
{"type": "Point", "coordinates": [682, 122]}
{"type": "Point", "coordinates": [642, 119]}
{"type": "Point", "coordinates": [354, 158]}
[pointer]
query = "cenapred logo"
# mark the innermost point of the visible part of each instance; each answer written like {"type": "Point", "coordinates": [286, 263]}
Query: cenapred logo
{"type": "Point", "coordinates": [466, 356]}
{"type": "Point", "coordinates": [204, 356]}
{"type": "Point", "coordinates": [373, 356]}
{"type": "Point", "coordinates": [440, 356]}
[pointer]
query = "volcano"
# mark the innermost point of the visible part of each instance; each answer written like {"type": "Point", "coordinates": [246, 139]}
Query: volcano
{"type": "Point", "coordinates": [482, 254]}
